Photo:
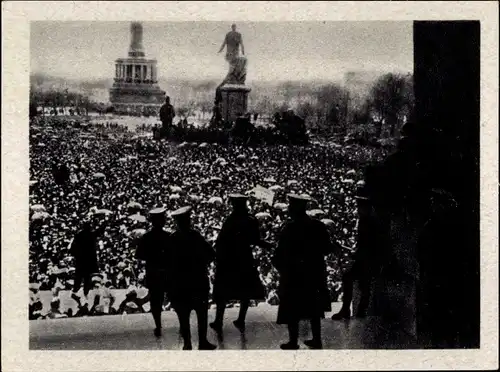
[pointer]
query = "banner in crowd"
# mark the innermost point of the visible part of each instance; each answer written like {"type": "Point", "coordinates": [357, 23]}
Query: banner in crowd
{"type": "Point", "coordinates": [262, 193]}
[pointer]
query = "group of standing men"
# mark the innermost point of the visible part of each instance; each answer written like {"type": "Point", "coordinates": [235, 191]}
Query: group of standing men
{"type": "Point", "coordinates": [177, 265]}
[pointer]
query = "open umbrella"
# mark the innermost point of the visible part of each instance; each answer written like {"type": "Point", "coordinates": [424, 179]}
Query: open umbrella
{"type": "Point", "coordinates": [263, 215]}
{"type": "Point", "coordinates": [38, 208]}
{"type": "Point", "coordinates": [316, 212]}
{"type": "Point", "coordinates": [99, 175]}
{"type": "Point", "coordinates": [40, 216]}
{"type": "Point", "coordinates": [33, 183]}
{"type": "Point", "coordinates": [241, 157]}
{"type": "Point", "coordinates": [134, 205]}
{"type": "Point", "coordinates": [270, 180]}
{"type": "Point", "coordinates": [103, 212]}
{"type": "Point", "coordinates": [215, 179]}
{"type": "Point", "coordinates": [281, 206]}
{"type": "Point", "coordinates": [215, 200]}
{"type": "Point", "coordinates": [220, 160]}
{"type": "Point", "coordinates": [195, 198]}
{"type": "Point", "coordinates": [254, 157]}
{"type": "Point", "coordinates": [276, 188]}
{"type": "Point", "coordinates": [183, 144]}
{"type": "Point", "coordinates": [174, 197]}
{"type": "Point", "coordinates": [137, 233]}
{"type": "Point", "coordinates": [327, 222]}
{"type": "Point", "coordinates": [292, 182]}
{"type": "Point", "coordinates": [360, 183]}
{"type": "Point", "coordinates": [348, 180]}
{"type": "Point", "coordinates": [137, 217]}
{"type": "Point", "coordinates": [352, 171]}
{"type": "Point", "coordinates": [175, 189]}
{"type": "Point", "coordinates": [204, 144]}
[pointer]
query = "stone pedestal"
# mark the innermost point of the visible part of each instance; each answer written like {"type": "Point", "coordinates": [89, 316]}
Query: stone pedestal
{"type": "Point", "coordinates": [234, 101]}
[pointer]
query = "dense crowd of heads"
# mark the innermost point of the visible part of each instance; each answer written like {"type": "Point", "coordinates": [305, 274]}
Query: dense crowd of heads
{"type": "Point", "coordinates": [114, 177]}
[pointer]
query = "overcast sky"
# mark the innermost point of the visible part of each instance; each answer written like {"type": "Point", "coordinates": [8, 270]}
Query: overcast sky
{"type": "Point", "coordinates": [275, 51]}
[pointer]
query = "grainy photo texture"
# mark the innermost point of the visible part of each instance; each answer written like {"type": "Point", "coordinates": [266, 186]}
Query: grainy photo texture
{"type": "Point", "coordinates": [253, 185]}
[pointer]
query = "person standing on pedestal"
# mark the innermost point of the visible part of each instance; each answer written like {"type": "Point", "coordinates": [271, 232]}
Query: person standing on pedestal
{"type": "Point", "coordinates": [232, 43]}
{"type": "Point", "coordinates": [167, 114]}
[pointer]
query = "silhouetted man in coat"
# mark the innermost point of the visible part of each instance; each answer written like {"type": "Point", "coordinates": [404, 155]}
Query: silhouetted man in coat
{"type": "Point", "coordinates": [84, 251]}
{"type": "Point", "coordinates": [152, 249]}
{"type": "Point", "coordinates": [236, 275]}
{"type": "Point", "coordinates": [188, 282]}
{"type": "Point", "coordinates": [300, 260]}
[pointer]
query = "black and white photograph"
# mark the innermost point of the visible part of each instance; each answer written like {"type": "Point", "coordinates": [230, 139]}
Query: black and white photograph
{"type": "Point", "coordinates": [255, 185]}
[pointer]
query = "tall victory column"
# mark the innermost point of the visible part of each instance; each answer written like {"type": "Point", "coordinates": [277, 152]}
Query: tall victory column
{"type": "Point", "coordinates": [135, 88]}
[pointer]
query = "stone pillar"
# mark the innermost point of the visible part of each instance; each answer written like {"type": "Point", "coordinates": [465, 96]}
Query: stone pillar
{"type": "Point", "coordinates": [234, 101]}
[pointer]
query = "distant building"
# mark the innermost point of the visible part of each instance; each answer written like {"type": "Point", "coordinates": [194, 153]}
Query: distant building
{"type": "Point", "coordinates": [135, 87]}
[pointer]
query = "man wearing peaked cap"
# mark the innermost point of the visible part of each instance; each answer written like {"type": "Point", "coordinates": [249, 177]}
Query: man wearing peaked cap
{"type": "Point", "coordinates": [300, 260]}
{"type": "Point", "coordinates": [188, 283]}
{"type": "Point", "coordinates": [236, 276]}
{"type": "Point", "coordinates": [152, 249]}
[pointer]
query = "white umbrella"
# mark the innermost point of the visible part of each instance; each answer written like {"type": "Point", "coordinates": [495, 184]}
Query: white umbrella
{"type": "Point", "coordinates": [263, 215]}
{"type": "Point", "coordinates": [183, 144]}
{"type": "Point", "coordinates": [276, 188]}
{"type": "Point", "coordinates": [348, 180]}
{"type": "Point", "coordinates": [327, 222]}
{"type": "Point", "coordinates": [204, 144]}
{"type": "Point", "coordinates": [134, 205]}
{"type": "Point", "coordinates": [215, 179]}
{"type": "Point", "coordinates": [281, 206]}
{"type": "Point", "coordinates": [137, 233]}
{"type": "Point", "coordinates": [38, 208]}
{"type": "Point", "coordinates": [33, 183]}
{"type": "Point", "coordinates": [99, 175]}
{"type": "Point", "coordinates": [270, 180]}
{"type": "Point", "coordinates": [103, 211]}
{"type": "Point", "coordinates": [194, 197]}
{"type": "Point", "coordinates": [175, 189]}
{"type": "Point", "coordinates": [220, 160]}
{"type": "Point", "coordinates": [315, 212]}
{"type": "Point", "coordinates": [137, 217]}
{"type": "Point", "coordinates": [352, 171]}
{"type": "Point", "coordinates": [40, 216]}
{"type": "Point", "coordinates": [174, 197]}
{"type": "Point", "coordinates": [254, 157]}
{"type": "Point", "coordinates": [241, 157]}
{"type": "Point", "coordinates": [215, 200]}
{"type": "Point", "coordinates": [360, 183]}
{"type": "Point", "coordinates": [292, 182]}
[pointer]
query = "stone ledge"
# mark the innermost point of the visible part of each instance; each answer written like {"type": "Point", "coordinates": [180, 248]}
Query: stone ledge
{"type": "Point", "coordinates": [235, 87]}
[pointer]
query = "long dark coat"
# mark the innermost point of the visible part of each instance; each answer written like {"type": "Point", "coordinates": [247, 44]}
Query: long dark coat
{"type": "Point", "coordinates": [84, 250]}
{"type": "Point", "coordinates": [372, 246]}
{"type": "Point", "coordinates": [153, 248]}
{"type": "Point", "coordinates": [189, 257]}
{"type": "Point", "coordinates": [236, 275]}
{"type": "Point", "coordinates": [300, 261]}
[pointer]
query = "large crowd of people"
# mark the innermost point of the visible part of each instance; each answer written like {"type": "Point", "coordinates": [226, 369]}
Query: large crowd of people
{"type": "Point", "coordinates": [115, 176]}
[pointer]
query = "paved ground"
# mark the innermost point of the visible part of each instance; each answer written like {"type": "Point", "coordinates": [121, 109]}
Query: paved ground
{"type": "Point", "coordinates": [134, 332]}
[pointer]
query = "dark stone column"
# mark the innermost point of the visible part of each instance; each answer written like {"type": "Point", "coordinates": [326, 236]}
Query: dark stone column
{"type": "Point", "coordinates": [447, 95]}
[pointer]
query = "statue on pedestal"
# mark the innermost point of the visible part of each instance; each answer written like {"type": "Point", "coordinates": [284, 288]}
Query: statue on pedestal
{"type": "Point", "coordinates": [237, 64]}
